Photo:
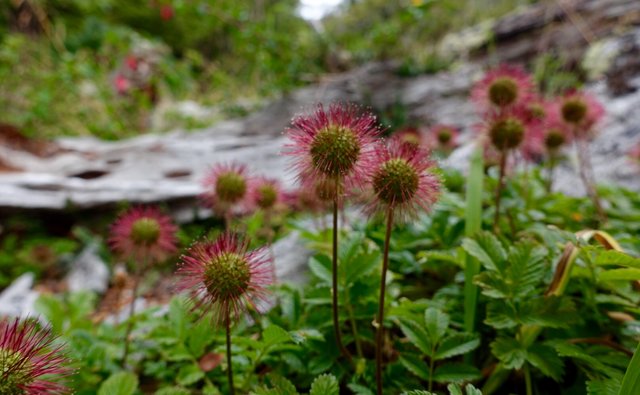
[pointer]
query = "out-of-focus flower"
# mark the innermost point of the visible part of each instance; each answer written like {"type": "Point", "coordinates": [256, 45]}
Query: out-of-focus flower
{"type": "Point", "coordinates": [504, 86]}
{"type": "Point", "coordinates": [582, 111]}
{"type": "Point", "coordinates": [226, 187]}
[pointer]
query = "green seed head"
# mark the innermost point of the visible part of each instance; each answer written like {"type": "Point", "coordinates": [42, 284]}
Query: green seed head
{"type": "Point", "coordinates": [574, 110]}
{"type": "Point", "coordinates": [396, 181]}
{"type": "Point", "coordinates": [231, 187]}
{"type": "Point", "coordinates": [267, 196]}
{"type": "Point", "coordinates": [12, 378]}
{"type": "Point", "coordinates": [227, 276]}
{"type": "Point", "coordinates": [145, 231]}
{"type": "Point", "coordinates": [335, 150]}
{"type": "Point", "coordinates": [503, 92]}
{"type": "Point", "coordinates": [506, 133]}
{"type": "Point", "coordinates": [554, 139]}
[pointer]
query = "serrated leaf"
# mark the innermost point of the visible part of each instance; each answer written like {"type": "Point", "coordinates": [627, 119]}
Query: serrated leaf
{"type": "Point", "coordinates": [325, 385]}
{"type": "Point", "coordinates": [501, 315]}
{"type": "Point", "coordinates": [121, 383]}
{"type": "Point", "coordinates": [546, 360]}
{"type": "Point", "coordinates": [415, 365]}
{"type": "Point", "coordinates": [436, 324]}
{"type": "Point", "coordinates": [273, 335]}
{"type": "Point", "coordinates": [416, 335]}
{"type": "Point", "coordinates": [551, 312]}
{"type": "Point", "coordinates": [492, 257]}
{"type": "Point", "coordinates": [588, 361]}
{"type": "Point", "coordinates": [456, 373]}
{"type": "Point", "coordinates": [189, 374]}
{"type": "Point", "coordinates": [620, 275]}
{"type": "Point", "coordinates": [603, 387]}
{"type": "Point", "coordinates": [509, 352]}
{"type": "Point", "coordinates": [173, 391]}
{"type": "Point", "coordinates": [359, 389]}
{"type": "Point", "coordinates": [526, 268]}
{"type": "Point", "coordinates": [360, 266]}
{"type": "Point", "coordinates": [457, 344]}
{"type": "Point", "coordinates": [319, 266]}
{"type": "Point", "coordinates": [418, 392]}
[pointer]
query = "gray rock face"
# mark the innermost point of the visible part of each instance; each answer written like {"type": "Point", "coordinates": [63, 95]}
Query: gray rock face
{"type": "Point", "coordinates": [88, 272]}
{"type": "Point", "coordinates": [18, 300]}
{"type": "Point", "coordinates": [291, 257]}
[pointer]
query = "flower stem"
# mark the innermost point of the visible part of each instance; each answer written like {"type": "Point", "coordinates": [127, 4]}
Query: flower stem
{"type": "Point", "coordinates": [552, 167]}
{"type": "Point", "coordinates": [232, 391]}
{"type": "Point", "coordinates": [380, 318]}
{"type": "Point", "coordinates": [334, 278]}
{"type": "Point", "coordinates": [503, 167]}
{"type": "Point", "coordinates": [586, 175]}
{"type": "Point", "coordinates": [527, 379]}
{"type": "Point", "coordinates": [132, 311]}
{"type": "Point", "coordinates": [354, 327]}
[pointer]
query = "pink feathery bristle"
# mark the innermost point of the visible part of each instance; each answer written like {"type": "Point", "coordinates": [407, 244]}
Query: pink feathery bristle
{"type": "Point", "coordinates": [429, 184]}
{"type": "Point", "coordinates": [304, 128]}
{"type": "Point", "coordinates": [123, 245]}
{"type": "Point", "coordinates": [192, 277]}
{"type": "Point", "coordinates": [209, 196]}
{"type": "Point", "coordinates": [523, 80]}
{"type": "Point", "coordinates": [44, 365]}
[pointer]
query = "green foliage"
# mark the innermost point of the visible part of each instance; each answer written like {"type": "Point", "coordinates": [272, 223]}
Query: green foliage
{"type": "Point", "coordinates": [121, 383]}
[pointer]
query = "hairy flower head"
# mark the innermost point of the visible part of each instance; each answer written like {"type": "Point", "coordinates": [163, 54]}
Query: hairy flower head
{"type": "Point", "coordinates": [29, 361]}
{"type": "Point", "coordinates": [582, 112]}
{"type": "Point", "coordinates": [265, 193]}
{"type": "Point", "coordinates": [337, 144]}
{"type": "Point", "coordinates": [143, 234]}
{"type": "Point", "coordinates": [226, 187]}
{"type": "Point", "coordinates": [402, 179]}
{"type": "Point", "coordinates": [504, 86]}
{"type": "Point", "coordinates": [224, 276]}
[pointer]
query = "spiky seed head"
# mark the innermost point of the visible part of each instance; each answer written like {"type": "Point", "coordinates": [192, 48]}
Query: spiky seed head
{"type": "Point", "coordinates": [267, 196]}
{"type": "Point", "coordinates": [145, 231]}
{"type": "Point", "coordinates": [335, 150]}
{"type": "Point", "coordinates": [554, 139]}
{"type": "Point", "coordinates": [574, 110]}
{"type": "Point", "coordinates": [227, 275]}
{"type": "Point", "coordinates": [395, 181]}
{"type": "Point", "coordinates": [444, 136]}
{"type": "Point", "coordinates": [231, 187]}
{"type": "Point", "coordinates": [507, 133]}
{"type": "Point", "coordinates": [503, 91]}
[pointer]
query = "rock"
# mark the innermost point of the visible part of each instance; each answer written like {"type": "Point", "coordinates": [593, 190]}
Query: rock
{"type": "Point", "coordinates": [291, 257]}
{"type": "Point", "coordinates": [88, 272]}
{"type": "Point", "coordinates": [18, 300]}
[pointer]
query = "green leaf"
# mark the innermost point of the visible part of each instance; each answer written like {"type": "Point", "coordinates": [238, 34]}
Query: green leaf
{"type": "Point", "coordinates": [178, 318]}
{"type": "Point", "coordinates": [457, 344]}
{"type": "Point", "coordinates": [631, 380]}
{"type": "Point", "coordinates": [613, 257]}
{"type": "Point", "coordinates": [319, 266]}
{"type": "Point", "coordinates": [546, 360]}
{"type": "Point", "coordinates": [325, 385]}
{"type": "Point", "coordinates": [418, 392]}
{"type": "Point", "coordinates": [456, 373]}
{"type": "Point", "coordinates": [526, 268]}
{"type": "Point", "coordinates": [415, 365]}
{"type": "Point", "coordinates": [121, 383]}
{"type": "Point", "coordinates": [620, 274]}
{"type": "Point", "coordinates": [173, 391]}
{"type": "Point", "coordinates": [281, 386]}
{"type": "Point", "coordinates": [274, 334]}
{"type": "Point", "coordinates": [604, 387]}
{"type": "Point", "coordinates": [359, 389]}
{"type": "Point", "coordinates": [509, 352]}
{"type": "Point", "coordinates": [200, 336]}
{"type": "Point", "coordinates": [589, 362]}
{"type": "Point", "coordinates": [360, 266]}
{"type": "Point", "coordinates": [416, 335]}
{"type": "Point", "coordinates": [491, 260]}
{"type": "Point", "coordinates": [436, 324]}
{"type": "Point", "coordinates": [189, 374]}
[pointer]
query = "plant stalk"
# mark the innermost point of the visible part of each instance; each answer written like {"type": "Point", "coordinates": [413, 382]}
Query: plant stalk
{"type": "Point", "coordinates": [334, 279]}
{"type": "Point", "coordinates": [232, 390]}
{"type": "Point", "coordinates": [527, 379]}
{"type": "Point", "coordinates": [503, 168]}
{"type": "Point", "coordinates": [585, 169]}
{"type": "Point", "coordinates": [551, 169]}
{"type": "Point", "coordinates": [380, 318]}
{"type": "Point", "coordinates": [132, 311]}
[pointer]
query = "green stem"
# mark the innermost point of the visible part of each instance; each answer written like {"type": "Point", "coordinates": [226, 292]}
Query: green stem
{"type": "Point", "coordinates": [631, 379]}
{"type": "Point", "coordinates": [527, 379]}
{"type": "Point", "coordinates": [354, 327]}
{"type": "Point", "coordinates": [132, 310]}
{"type": "Point", "coordinates": [552, 167]}
{"type": "Point", "coordinates": [380, 318]}
{"type": "Point", "coordinates": [334, 279]}
{"type": "Point", "coordinates": [499, 187]}
{"type": "Point", "coordinates": [232, 390]}
{"type": "Point", "coordinates": [431, 368]}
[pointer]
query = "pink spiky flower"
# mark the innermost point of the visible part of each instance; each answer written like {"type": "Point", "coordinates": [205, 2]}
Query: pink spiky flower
{"type": "Point", "coordinates": [403, 180]}
{"type": "Point", "coordinates": [224, 277]}
{"type": "Point", "coordinates": [265, 193]}
{"type": "Point", "coordinates": [507, 129]}
{"type": "Point", "coordinates": [504, 86]}
{"type": "Point", "coordinates": [143, 234]}
{"type": "Point", "coordinates": [582, 112]}
{"type": "Point", "coordinates": [336, 145]}
{"type": "Point", "coordinates": [226, 187]}
{"type": "Point", "coordinates": [29, 361]}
